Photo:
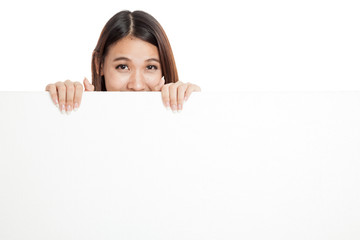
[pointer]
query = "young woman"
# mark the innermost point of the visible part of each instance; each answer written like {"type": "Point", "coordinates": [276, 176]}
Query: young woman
{"type": "Point", "coordinates": [133, 54]}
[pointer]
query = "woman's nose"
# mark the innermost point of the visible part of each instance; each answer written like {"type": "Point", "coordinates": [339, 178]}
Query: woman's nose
{"type": "Point", "coordinates": [136, 82]}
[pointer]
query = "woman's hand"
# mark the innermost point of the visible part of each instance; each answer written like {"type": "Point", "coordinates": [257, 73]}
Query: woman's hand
{"type": "Point", "coordinates": [68, 94]}
{"type": "Point", "coordinates": [174, 94]}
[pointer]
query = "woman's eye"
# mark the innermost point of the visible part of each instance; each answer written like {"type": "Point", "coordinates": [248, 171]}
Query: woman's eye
{"type": "Point", "coordinates": [152, 67]}
{"type": "Point", "coordinates": [122, 67]}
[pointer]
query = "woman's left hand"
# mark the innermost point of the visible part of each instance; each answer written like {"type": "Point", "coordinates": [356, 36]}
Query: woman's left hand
{"type": "Point", "coordinates": [174, 94]}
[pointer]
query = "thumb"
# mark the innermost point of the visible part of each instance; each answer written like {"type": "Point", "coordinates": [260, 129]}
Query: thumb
{"type": "Point", "coordinates": [160, 85]}
{"type": "Point", "coordinates": [88, 85]}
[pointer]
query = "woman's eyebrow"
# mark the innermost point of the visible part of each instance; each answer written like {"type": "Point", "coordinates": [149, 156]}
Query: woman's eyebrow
{"type": "Point", "coordinates": [128, 59]}
{"type": "Point", "coordinates": [121, 58]}
{"type": "Point", "coordinates": [153, 59]}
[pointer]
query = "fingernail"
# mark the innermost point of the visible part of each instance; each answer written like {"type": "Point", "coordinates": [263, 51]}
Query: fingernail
{"type": "Point", "coordinates": [173, 108]}
{"type": "Point", "coordinates": [186, 98]}
{"type": "Point", "coordinates": [68, 110]}
{"type": "Point", "coordinates": [62, 109]}
{"type": "Point", "coordinates": [179, 108]}
{"type": "Point", "coordinates": [167, 104]}
{"type": "Point", "coordinates": [76, 107]}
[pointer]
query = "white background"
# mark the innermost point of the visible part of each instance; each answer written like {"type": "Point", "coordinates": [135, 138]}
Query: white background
{"type": "Point", "coordinates": [219, 45]}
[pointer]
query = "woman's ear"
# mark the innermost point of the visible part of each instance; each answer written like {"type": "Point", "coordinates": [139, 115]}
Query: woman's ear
{"type": "Point", "coordinates": [97, 61]}
{"type": "Point", "coordinates": [101, 70]}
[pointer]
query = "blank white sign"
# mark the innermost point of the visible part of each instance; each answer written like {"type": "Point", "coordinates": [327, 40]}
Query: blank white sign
{"type": "Point", "coordinates": [232, 165]}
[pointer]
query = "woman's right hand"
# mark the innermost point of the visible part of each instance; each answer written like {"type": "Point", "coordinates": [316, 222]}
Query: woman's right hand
{"type": "Point", "coordinates": [68, 94]}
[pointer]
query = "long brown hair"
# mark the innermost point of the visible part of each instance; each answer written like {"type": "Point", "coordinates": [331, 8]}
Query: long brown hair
{"type": "Point", "coordinates": [140, 25]}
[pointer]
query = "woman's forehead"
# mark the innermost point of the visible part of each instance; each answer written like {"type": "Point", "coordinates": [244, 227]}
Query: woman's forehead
{"type": "Point", "coordinates": [133, 47]}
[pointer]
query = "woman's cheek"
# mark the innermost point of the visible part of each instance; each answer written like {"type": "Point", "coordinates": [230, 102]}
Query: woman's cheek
{"type": "Point", "coordinates": [116, 82]}
{"type": "Point", "coordinates": [153, 80]}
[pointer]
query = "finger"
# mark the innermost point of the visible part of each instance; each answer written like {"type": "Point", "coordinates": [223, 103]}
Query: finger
{"type": "Point", "coordinates": [88, 85]}
{"type": "Point", "coordinates": [160, 85]}
{"type": "Point", "coordinates": [61, 90]}
{"type": "Point", "coordinates": [78, 95]}
{"type": "Point", "coordinates": [165, 95]}
{"type": "Point", "coordinates": [70, 90]}
{"type": "Point", "coordinates": [52, 90]}
{"type": "Point", "coordinates": [180, 96]}
{"type": "Point", "coordinates": [190, 89]}
{"type": "Point", "coordinates": [173, 95]}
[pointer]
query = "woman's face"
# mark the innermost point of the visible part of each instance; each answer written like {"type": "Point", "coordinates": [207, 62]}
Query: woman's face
{"type": "Point", "coordinates": [132, 64]}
